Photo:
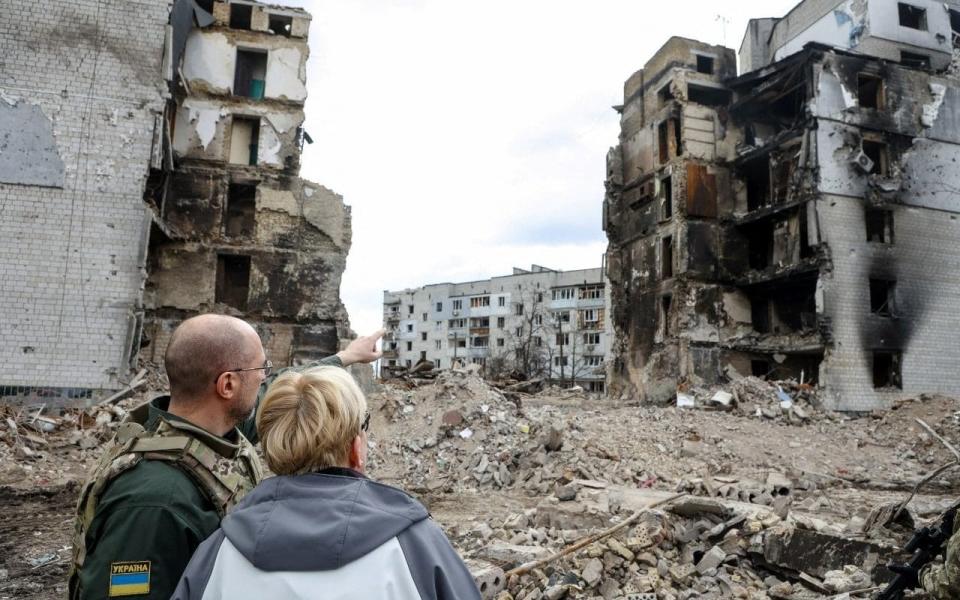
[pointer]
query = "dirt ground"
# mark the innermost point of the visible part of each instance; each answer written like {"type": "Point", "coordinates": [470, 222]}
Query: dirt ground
{"type": "Point", "coordinates": [854, 464]}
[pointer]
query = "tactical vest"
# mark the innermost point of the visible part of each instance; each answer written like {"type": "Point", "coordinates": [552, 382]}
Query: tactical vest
{"type": "Point", "coordinates": [223, 472]}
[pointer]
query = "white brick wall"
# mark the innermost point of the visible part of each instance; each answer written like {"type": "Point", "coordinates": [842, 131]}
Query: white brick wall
{"type": "Point", "coordinates": [70, 258]}
{"type": "Point", "coordinates": [923, 260]}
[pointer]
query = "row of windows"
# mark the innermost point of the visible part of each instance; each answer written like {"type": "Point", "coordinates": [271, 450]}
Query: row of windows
{"type": "Point", "coordinates": [590, 292]}
{"type": "Point", "coordinates": [589, 339]}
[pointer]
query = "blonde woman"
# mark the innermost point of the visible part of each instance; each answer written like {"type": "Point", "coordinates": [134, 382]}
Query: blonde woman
{"type": "Point", "coordinates": [321, 528]}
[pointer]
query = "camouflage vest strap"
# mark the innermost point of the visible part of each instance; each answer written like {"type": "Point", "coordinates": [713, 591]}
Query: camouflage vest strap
{"type": "Point", "coordinates": [224, 480]}
{"type": "Point", "coordinates": [222, 471]}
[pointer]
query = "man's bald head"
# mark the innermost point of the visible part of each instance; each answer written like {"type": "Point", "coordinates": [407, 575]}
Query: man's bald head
{"type": "Point", "coordinates": [203, 347]}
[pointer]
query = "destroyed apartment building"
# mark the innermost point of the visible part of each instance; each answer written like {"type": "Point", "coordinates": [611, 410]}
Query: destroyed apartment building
{"type": "Point", "coordinates": [149, 160]}
{"type": "Point", "coordinates": [540, 323]}
{"type": "Point", "coordinates": [799, 220]}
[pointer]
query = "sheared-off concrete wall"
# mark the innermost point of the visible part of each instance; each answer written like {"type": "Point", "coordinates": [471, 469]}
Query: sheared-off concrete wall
{"type": "Point", "coordinates": [83, 79]}
{"type": "Point", "coordinates": [920, 127]}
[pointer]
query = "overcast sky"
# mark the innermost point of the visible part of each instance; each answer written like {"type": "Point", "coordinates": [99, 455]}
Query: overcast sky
{"type": "Point", "coordinates": [470, 137]}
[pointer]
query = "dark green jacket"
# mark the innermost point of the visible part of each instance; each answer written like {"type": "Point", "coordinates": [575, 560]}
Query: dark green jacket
{"type": "Point", "coordinates": [154, 512]}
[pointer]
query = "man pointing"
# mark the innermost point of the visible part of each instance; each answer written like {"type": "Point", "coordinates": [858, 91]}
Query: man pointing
{"type": "Point", "coordinates": [179, 462]}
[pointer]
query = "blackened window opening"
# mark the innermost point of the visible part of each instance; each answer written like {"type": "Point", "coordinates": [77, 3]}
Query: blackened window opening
{"type": "Point", "coordinates": [955, 26]}
{"type": "Point", "coordinates": [233, 280]}
{"type": "Point", "coordinates": [757, 176]}
{"type": "Point", "coordinates": [281, 25]}
{"type": "Point", "coordinates": [869, 91]}
{"type": "Point", "coordinates": [705, 64]}
{"type": "Point", "coordinates": [241, 210]}
{"type": "Point", "coordinates": [886, 370]}
{"type": "Point", "coordinates": [240, 16]}
{"type": "Point", "coordinates": [707, 96]}
{"type": "Point", "coordinates": [663, 139]}
{"type": "Point", "coordinates": [912, 16]}
{"type": "Point", "coordinates": [882, 297]}
{"type": "Point", "coordinates": [665, 303]}
{"type": "Point", "coordinates": [914, 60]}
{"type": "Point", "coordinates": [878, 153]}
{"type": "Point", "coordinates": [666, 257]}
{"type": "Point", "coordinates": [667, 184]}
{"type": "Point", "coordinates": [760, 315]}
{"type": "Point", "coordinates": [879, 225]}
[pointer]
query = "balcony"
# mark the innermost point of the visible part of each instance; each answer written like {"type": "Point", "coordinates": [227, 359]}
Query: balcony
{"type": "Point", "coordinates": [391, 354]}
{"type": "Point", "coordinates": [479, 331]}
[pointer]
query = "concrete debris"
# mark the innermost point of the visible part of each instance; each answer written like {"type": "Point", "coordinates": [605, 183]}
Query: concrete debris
{"type": "Point", "coordinates": [755, 507]}
{"type": "Point", "coordinates": [763, 497]}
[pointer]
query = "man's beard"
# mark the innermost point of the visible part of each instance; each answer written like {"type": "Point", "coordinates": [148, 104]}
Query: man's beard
{"type": "Point", "coordinates": [238, 414]}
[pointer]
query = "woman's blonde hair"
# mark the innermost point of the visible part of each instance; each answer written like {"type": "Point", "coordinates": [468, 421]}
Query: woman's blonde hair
{"type": "Point", "coordinates": [307, 421]}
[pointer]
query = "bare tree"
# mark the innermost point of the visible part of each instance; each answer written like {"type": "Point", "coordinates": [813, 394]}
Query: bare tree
{"type": "Point", "coordinates": [529, 354]}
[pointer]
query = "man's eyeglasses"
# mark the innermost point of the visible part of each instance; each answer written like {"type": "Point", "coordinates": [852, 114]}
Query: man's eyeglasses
{"type": "Point", "coordinates": [267, 369]}
{"type": "Point", "coordinates": [365, 426]}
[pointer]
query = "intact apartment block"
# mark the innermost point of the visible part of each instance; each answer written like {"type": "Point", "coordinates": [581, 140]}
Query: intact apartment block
{"type": "Point", "coordinates": [149, 158]}
{"type": "Point", "coordinates": [799, 219]}
{"type": "Point", "coordinates": [540, 322]}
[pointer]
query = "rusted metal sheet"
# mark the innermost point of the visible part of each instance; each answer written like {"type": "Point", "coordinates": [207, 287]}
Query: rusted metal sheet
{"type": "Point", "coordinates": [701, 192]}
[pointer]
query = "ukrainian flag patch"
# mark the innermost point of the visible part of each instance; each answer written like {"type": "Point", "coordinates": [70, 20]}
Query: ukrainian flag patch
{"type": "Point", "coordinates": [129, 578]}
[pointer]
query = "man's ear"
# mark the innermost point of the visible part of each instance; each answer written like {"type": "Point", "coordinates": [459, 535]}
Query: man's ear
{"type": "Point", "coordinates": [227, 385]}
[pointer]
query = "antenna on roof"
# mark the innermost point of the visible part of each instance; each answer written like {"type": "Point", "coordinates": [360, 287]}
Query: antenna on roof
{"type": "Point", "coordinates": [724, 21]}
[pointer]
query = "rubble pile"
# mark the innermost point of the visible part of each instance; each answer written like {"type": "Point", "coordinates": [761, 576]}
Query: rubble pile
{"type": "Point", "coordinates": [691, 548]}
{"type": "Point", "coordinates": [761, 477]}
{"type": "Point", "coordinates": [789, 400]}
{"type": "Point", "coordinates": [464, 433]}
{"type": "Point", "coordinates": [43, 446]}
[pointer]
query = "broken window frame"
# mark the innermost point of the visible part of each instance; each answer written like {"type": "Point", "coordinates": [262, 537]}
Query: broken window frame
{"type": "Point", "coordinates": [915, 60]}
{"type": "Point", "coordinates": [241, 16]}
{"type": "Point", "coordinates": [666, 198]}
{"type": "Point", "coordinates": [875, 96]}
{"type": "Point", "coordinates": [955, 27]}
{"type": "Point", "coordinates": [665, 94]}
{"type": "Point", "coordinates": [879, 225]}
{"type": "Point", "coordinates": [245, 85]}
{"type": "Point", "coordinates": [912, 16]}
{"type": "Point", "coordinates": [887, 367]}
{"type": "Point", "coordinates": [240, 210]}
{"type": "Point", "coordinates": [666, 257]}
{"type": "Point", "coordinates": [883, 297]}
{"type": "Point", "coordinates": [706, 64]}
{"type": "Point", "coordinates": [285, 22]}
{"type": "Point", "coordinates": [666, 303]}
{"type": "Point", "coordinates": [232, 293]}
{"type": "Point", "coordinates": [706, 95]}
{"type": "Point", "coordinates": [253, 148]}
{"type": "Point", "coordinates": [878, 150]}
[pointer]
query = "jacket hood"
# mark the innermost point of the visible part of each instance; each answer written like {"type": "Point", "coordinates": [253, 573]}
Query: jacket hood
{"type": "Point", "coordinates": [317, 522]}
